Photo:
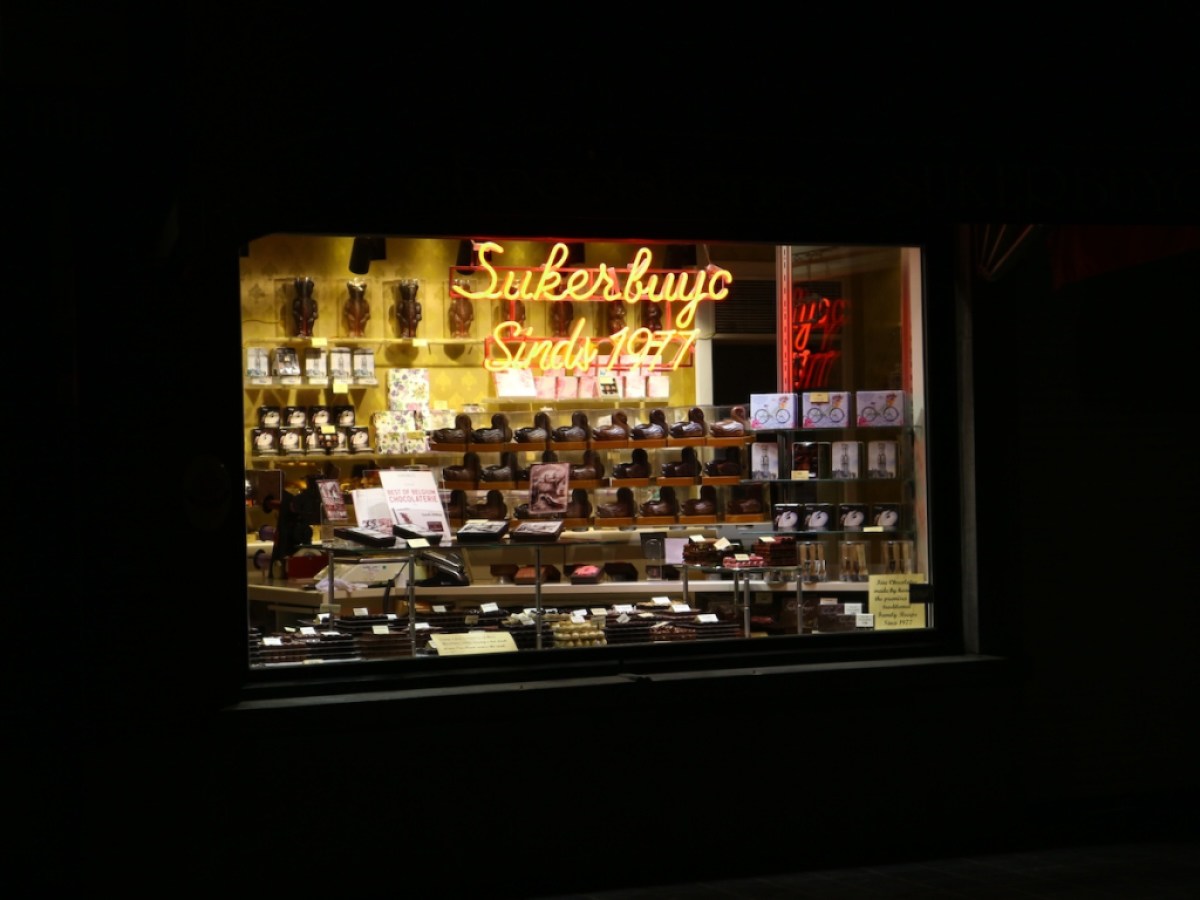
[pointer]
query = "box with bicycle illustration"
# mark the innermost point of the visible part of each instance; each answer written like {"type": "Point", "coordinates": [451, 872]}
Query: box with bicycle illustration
{"type": "Point", "coordinates": [826, 409]}
{"type": "Point", "coordinates": [772, 412]}
{"type": "Point", "coordinates": [879, 409]}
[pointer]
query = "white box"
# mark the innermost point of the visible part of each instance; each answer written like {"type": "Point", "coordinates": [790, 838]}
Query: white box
{"type": "Point", "coordinates": [773, 411]}
{"type": "Point", "coordinates": [879, 409]}
{"type": "Point", "coordinates": [826, 409]}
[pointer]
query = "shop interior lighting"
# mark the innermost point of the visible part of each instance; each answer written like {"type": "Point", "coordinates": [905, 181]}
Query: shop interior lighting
{"type": "Point", "coordinates": [364, 250]}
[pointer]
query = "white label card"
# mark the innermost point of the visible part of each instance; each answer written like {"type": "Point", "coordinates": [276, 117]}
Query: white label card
{"type": "Point", "coordinates": [598, 611]}
{"type": "Point", "coordinates": [418, 542]}
{"type": "Point", "coordinates": [661, 601]}
{"type": "Point", "coordinates": [307, 629]}
{"type": "Point", "coordinates": [272, 642]}
{"type": "Point", "coordinates": [623, 608]}
{"type": "Point", "coordinates": [852, 609]}
{"type": "Point", "coordinates": [864, 620]}
{"type": "Point", "coordinates": [721, 543]}
{"type": "Point", "coordinates": [380, 629]}
{"type": "Point", "coordinates": [680, 607]}
{"type": "Point", "coordinates": [439, 607]}
{"type": "Point", "coordinates": [707, 617]}
{"type": "Point", "coordinates": [361, 611]}
{"type": "Point", "coordinates": [489, 607]}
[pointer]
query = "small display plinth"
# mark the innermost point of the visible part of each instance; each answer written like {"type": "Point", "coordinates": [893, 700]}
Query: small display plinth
{"type": "Point", "coordinates": [613, 521]}
{"type": "Point", "coordinates": [744, 517]}
{"type": "Point", "coordinates": [736, 440]}
{"type": "Point", "coordinates": [568, 445]}
{"type": "Point", "coordinates": [686, 441]}
{"type": "Point", "coordinates": [685, 481]}
{"type": "Point", "coordinates": [649, 443]}
{"type": "Point", "coordinates": [629, 482]}
{"type": "Point", "coordinates": [657, 520]}
{"type": "Point", "coordinates": [447, 448]}
{"type": "Point", "coordinates": [697, 520]}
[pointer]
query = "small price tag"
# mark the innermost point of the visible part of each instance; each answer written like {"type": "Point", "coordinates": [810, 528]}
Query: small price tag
{"type": "Point", "coordinates": [391, 616]}
{"type": "Point", "coordinates": [852, 609]}
{"type": "Point", "coordinates": [361, 611]}
{"type": "Point", "coordinates": [680, 607]}
{"type": "Point", "coordinates": [864, 620]}
{"type": "Point", "coordinates": [328, 429]}
{"type": "Point", "coordinates": [578, 617]}
{"type": "Point", "coordinates": [422, 626]}
{"type": "Point", "coordinates": [623, 608]}
{"type": "Point", "coordinates": [696, 538]}
{"type": "Point", "coordinates": [721, 543]}
{"type": "Point", "coordinates": [623, 618]}
{"type": "Point", "coordinates": [272, 642]}
{"type": "Point", "coordinates": [598, 611]}
{"type": "Point", "coordinates": [741, 557]}
{"type": "Point", "coordinates": [320, 342]}
{"type": "Point", "coordinates": [872, 528]}
{"type": "Point", "coordinates": [307, 629]}
{"type": "Point", "coordinates": [525, 618]}
{"type": "Point", "coordinates": [339, 387]}
{"type": "Point", "coordinates": [707, 617]}
{"type": "Point", "coordinates": [420, 342]}
{"type": "Point", "coordinates": [801, 474]}
{"type": "Point", "coordinates": [380, 629]}
{"type": "Point", "coordinates": [660, 601]}
{"type": "Point", "coordinates": [439, 607]}
{"type": "Point", "coordinates": [766, 539]}
{"type": "Point", "coordinates": [819, 397]}
{"type": "Point", "coordinates": [418, 542]}
{"type": "Point", "coordinates": [489, 607]}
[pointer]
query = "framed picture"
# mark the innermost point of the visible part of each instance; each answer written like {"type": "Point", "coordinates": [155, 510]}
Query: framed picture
{"type": "Point", "coordinates": [549, 488]}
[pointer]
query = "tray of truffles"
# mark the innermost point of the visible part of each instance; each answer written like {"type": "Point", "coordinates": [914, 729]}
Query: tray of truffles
{"type": "Point", "coordinates": [574, 633]}
{"type": "Point", "coordinates": [289, 648]}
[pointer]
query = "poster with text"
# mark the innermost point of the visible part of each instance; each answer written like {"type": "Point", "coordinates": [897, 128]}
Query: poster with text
{"type": "Point", "coordinates": [414, 501]}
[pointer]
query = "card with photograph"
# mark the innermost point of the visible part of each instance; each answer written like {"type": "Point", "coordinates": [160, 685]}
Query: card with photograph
{"type": "Point", "coordinates": [765, 460]}
{"type": "Point", "coordinates": [881, 459]}
{"type": "Point", "coordinates": [549, 488]}
{"type": "Point", "coordinates": [846, 459]}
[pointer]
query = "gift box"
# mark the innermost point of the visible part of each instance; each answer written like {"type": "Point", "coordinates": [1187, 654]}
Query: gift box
{"type": "Point", "coordinates": [634, 386]}
{"type": "Point", "coordinates": [566, 387]}
{"type": "Point", "coordinates": [587, 387]}
{"type": "Point", "coordinates": [658, 387]}
{"type": "Point", "coordinates": [826, 409]}
{"type": "Point", "coordinates": [514, 383]}
{"type": "Point", "coordinates": [772, 411]}
{"type": "Point", "coordinates": [408, 389]}
{"type": "Point", "coordinates": [546, 387]}
{"type": "Point", "coordinates": [879, 409]}
{"type": "Point", "coordinates": [881, 459]}
{"type": "Point", "coordinates": [399, 431]}
{"type": "Point", "coordinates": [846, 459]}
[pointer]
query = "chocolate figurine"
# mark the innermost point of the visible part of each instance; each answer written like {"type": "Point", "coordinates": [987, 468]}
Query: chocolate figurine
{"type": "Point", "coordinates": [652, 315]}
{"type": "Point", "coordinates": [304, 308]}
{"type": "Point", "coordinates": [462, 314]}
{"type": "Point", "coordinates": [616, 316]}
{"type": "Point", "coordinates": [561, 314]}
{"type": "Point", "coordinates": [408, 308]}
{"type": "Point", "coordinates": [358, 311]}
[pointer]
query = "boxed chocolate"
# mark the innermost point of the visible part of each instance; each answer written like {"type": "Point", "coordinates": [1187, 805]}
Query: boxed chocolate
{"type": "Point", "coordinates": [788, 516]}
{"type": "Point", "coordinates": [319, 415]}
{"type": "Point", "coordinates": [270, 417]}
{"type": "Point", "coordinates": [878, 409]}
{"type": "Point", "coordinates": [359, 438]}
{"type": "Point", "coordinates": [773, 411]}
{"type": "Point", "coordinates": [295, 416]}
{"type": "Point", "coordinates": [852, 516]}
{"type": "Point", "coordinates": [827, 409]}
{"type": "Point", "coordinates": [846, 459]}
{"type": "Point", "coordinates": [343, 415]}
{"type": "Point", "coordinates": [818, 516]}
{"type": "Point", "coordinates": [886, 515]}
{"type": "Point", "coordinates": [292, 440]}
{"type": "Point", "coordinates": [881, 459]}
{"type": "Point", "coordinates": [264, 441]}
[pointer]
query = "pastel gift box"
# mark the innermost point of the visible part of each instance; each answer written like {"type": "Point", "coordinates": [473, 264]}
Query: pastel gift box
{"type": "Point", "coordinates": [408, 389]}
{"type": "Point", "coordinates": [879, 409]}
{"type": "Point", "coordinates": [772, 411]}
{"type": "Point", "coordinates": [658, 386]}
{"type": "Point", "coordinates": [826, 409]}
{"type": "Point", "coordinates": [399, 431]}
{"type": "Point", "coordinates": [546, 386]}
{"type": "Point", "coordinates": [566, 387]}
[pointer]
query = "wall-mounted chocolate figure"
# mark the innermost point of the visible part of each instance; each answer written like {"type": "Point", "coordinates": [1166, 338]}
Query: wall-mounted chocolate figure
{"type": "Point", "coordinates": [616, 316]}
{"type": "Point", "coordinates": [304, 308]}
{"type": "Point", "coordinates": [462, 314]}
{"type": "Point", "coordinates": [561, 315]}
{"type": "Point", "coordinates": [652, 315]}
{"type": "Point", "coordinates": [358, 311]}
{"type": "Point", "coordinates": [408, 308]}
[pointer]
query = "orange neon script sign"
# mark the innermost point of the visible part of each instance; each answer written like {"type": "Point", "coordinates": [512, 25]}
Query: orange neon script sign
{"type": "Point", "coordinates": [680, 292]}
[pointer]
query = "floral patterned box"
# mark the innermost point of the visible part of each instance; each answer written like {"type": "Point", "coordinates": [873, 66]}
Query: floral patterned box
{"type": "Point", "coordinates": [408, 389]}
{"type": "Point", "coordinates": [399, 431]}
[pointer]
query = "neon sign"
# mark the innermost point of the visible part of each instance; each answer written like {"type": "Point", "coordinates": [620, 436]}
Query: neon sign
{"type": "Point", "coordinates": [513, 346]}
{"type": "Point", "coordinates": [811, 314]}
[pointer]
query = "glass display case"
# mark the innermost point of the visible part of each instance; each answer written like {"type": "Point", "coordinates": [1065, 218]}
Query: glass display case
{"type": "Point", "coordinates": [690, 506]}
